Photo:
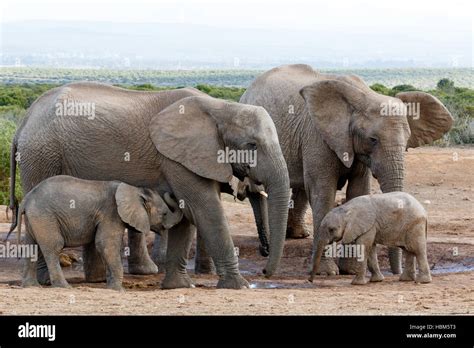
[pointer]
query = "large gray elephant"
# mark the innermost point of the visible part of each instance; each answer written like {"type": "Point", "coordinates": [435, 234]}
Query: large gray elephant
{"type": "Point", "coordinates": [334, 129]}
{"type": "Point", "coordinates": [169, 140]}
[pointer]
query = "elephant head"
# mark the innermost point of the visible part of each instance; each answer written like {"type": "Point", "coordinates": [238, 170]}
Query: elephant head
{"type": "Point", "coordinates": [356, 122]}
{"type": "Point", "coordinates": [145, 210]}
{"type": "Point", "coordinates": [203, 133]}
{"type": "Point", "coordinates": [345, 224]}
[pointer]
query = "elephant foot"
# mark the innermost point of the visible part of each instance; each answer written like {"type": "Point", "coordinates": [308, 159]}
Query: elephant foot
{"type": "Point", "coordinates": [145, 267]}
{"type": "Point", "coordinates": [233, 282]}
{"type": "Point", "coordinates": [376, 277]}
{"type": "Point", "coordinates": [395, 257]}
{"type": "Point", "coordinates": [64, 285]}
{"type": "Point", "coordinates": [177, 280]}
{"type": "Point", "coordinates": [328, 267]}
{"type": "Point", "coordinates": [116, 287]}
{"type": "Point", "coordinates": [297, 232]}
{"type": "Point", "coordinates": [407, 277]}
{"type": "Point", "coordinates": [423, 278]}
{"type": "Point", "coordinates": [359, 280]}
{"type": "Point", "coordinates": [204, 266]}
{"type": "Point", "coordinates": [30, 283]}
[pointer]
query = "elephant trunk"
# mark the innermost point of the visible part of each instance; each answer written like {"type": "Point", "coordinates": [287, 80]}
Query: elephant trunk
{"type": "Point", "coordinates": [391, 179]}
{"type": "Point", "coordinates": [173, 217]}
{"type": "Point", "coordinates": [392, 172]}
{"type": "Point", "coordinates": [278, 190]}
{"type": "Point", "coordinates": [318, 254]}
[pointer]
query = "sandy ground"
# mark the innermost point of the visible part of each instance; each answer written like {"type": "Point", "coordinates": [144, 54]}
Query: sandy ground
{"type": "Point", "coordinates": [441, 178]}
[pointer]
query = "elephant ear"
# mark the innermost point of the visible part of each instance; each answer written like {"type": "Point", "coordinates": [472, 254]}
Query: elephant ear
{"type": "Point", "coordinates": [331, 104]}
{"type": "Point", "coordinates": [433, 121]}
{"type": "Point", "coordinates": [186, 132]}
{"type": "Point", "coordinates": [131, 207]}
{"type": "Point", "coordinates": [360, 219]}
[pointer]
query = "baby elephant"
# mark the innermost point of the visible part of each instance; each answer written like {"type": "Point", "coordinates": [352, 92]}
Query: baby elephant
{"type": "Point", "coordinates": [63, 211]}
{"type": "Point", "coordinates": [394, 219]}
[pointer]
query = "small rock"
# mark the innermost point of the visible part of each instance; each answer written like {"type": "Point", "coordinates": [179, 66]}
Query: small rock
{"type": "Point", "coordinates": [427, 201]}
{"type": "Point", "coordinates": [66, 260]}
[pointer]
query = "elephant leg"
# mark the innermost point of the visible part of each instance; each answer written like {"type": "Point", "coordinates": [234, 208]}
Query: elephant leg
{"type": "Point", "coordinates": [51, 246]}
{"type": "Point", "coordinates": [179, 243]}
{"type": "Point", "coordinates": [359, 278]}
{"type": "Point", "coordinates": [139, 261]}
{"type": "Point", "coordinates": [260, 211]}
{"type": "Point", "coordinates": [395, 259]}
{"type": "Point", "coordinates": [409, 271]}
{"type": "Point", "coordinates": [373, 263]}
{"type": "Point", "coordinates": [424, 274]}
{"type": "Point", "coordinates": [202, 262]}
{"type": "Point", "coordinates": [296, 228]}
{"type": "Point", "coordinates": [109, 246]}
{"type": "Point", "coordinates": [42, 272]}
{"type": "Point", "coordinates": [202, 204]}
{"type": "Point", "coordinates": [322, 201]}
{"type": "Point", "coordinates": [158, 254]}
{"type": "Point", "coordinates": [55, 272]}
{"type": "Point", "coordinates": [94, 266]}
{"type": "Point", "coordinates": [358, 185]}
{"type": "Point", "coordinates": [29, 267]}
{"type": "Point", "coordinates": [51, 242]}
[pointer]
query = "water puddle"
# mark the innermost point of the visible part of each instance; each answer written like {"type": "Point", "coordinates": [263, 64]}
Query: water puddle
{"type": "Point", "coordinates": [279, 285]}
{"type": "Point", "coordinates": [466, 266]}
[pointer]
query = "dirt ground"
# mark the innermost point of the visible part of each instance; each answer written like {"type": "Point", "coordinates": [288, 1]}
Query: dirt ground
{"type": "Point", "coordinates": [442, 179]}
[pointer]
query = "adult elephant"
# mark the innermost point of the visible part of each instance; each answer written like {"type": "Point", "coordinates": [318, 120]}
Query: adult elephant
{"type": "Point", "coordinates": [334, 129]}
{"type": "Point", "coordinates": [169, 140]}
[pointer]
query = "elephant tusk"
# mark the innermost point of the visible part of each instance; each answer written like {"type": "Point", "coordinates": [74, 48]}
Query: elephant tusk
{"type": "Point", "coordinates": [263, 193]}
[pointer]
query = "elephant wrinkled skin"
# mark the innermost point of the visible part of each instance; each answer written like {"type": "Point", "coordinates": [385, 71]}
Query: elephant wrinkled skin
{"type": "Point", "coordinates": [334, 129]}
{"type": "Point", "coordinates": [167, 140]}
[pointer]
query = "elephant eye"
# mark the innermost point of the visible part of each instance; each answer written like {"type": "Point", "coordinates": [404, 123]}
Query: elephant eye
{"type": "Point", "coordinates": [373, 141]}
{"type": "Point", "coordinates": [252, 145]}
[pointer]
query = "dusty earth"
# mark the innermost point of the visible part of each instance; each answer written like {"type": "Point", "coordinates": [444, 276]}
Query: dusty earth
{"type": "Point", "coordinates": [441, 178]}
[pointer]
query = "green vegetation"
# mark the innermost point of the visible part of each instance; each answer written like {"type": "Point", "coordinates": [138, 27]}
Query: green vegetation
{"type": "Point", "coordinates": [15, 98]}
{"type": "Point", "coordinates": [424, 79]}
{"type": "Point", "coordinates": [458, 100]}
{"type": "Point", "coordinates": [228, 93]}
{"type": "Point", "coordinates": [7, 131]}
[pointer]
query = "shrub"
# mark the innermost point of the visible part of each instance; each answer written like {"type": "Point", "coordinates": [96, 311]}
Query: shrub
{"type": "Point", "coordinates": [7, 131]}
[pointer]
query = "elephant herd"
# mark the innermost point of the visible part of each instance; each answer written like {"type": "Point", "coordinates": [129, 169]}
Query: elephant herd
{"type": "Point", "coordinates": [311, 133]}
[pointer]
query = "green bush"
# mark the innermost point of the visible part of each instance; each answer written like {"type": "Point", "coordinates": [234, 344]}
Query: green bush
{"type": "Point", "coordinates": [228, 93]}
{"type": "Point", "coordinates": [7, 131]}
{"type": "Point", "coordinates": [445, 85]}
{"type": "Point", "coordinates": [12, 113]}
{"type": "Point", "coordinates": [379, 88]}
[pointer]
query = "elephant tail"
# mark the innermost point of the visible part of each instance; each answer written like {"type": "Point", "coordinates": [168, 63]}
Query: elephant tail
{"type": "Point", "coordinates": [20, 213]}
{"type": "Point", "coordinates": [13, 200]}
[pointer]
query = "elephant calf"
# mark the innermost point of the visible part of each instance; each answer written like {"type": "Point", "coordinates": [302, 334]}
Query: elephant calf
{"type": "Point", "coordinates": [63, 211]}
{"type": "Point", "coordinates": [393, 219]}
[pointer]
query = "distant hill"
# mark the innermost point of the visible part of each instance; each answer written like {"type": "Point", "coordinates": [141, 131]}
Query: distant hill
{"type": "Point", "coordinates": [189, 46]}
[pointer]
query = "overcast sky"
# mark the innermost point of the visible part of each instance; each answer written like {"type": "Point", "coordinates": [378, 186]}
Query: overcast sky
{"type": "Point", "coordinates": [429, 31]}
{"type": "Point", "coordinates": [336, 14]}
